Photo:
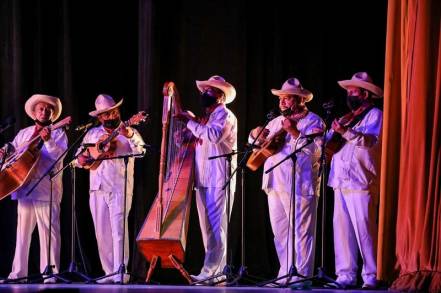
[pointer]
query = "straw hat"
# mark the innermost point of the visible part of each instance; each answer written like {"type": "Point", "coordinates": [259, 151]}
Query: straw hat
{"type": "Point", "coordinates": [293, 87]}
{"type": "Point", "coordinates": [220, 83]}
{"type": "Point", "coordinates": [362, 80]}
{"type": "Point", "coordinates": [38, 98]}
{"type": "Point", "coordinates": [104, 103]}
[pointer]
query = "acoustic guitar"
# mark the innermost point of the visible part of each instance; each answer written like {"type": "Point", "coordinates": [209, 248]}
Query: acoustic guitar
{"type": "Point", "coordinates": [272, 145]}
{"type": "Point", "coordinates": [21, 162]}
{"type": "Point", "coordinates": [106, 145]}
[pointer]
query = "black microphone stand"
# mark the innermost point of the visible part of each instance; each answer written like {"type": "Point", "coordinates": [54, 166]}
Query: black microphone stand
{"type": "Point", "coordinates": [292, 270]}
{"type": "Point", "coordinates": [73, 268]}
{"type": "Point", "coordinates": [122, 268]}
{"type": "Point", "coordinates": [321, 275]}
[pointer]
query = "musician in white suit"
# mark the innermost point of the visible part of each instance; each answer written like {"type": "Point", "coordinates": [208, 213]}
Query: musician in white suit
{"type": "Point", "coordinates": [33, 209]}
{"type": "Point", "coordinates": [354, 177]}
{"type": "Point", "coordinates": [287, 205]}
{"type": "Point", "coordinates": [217, 135]}
{"type": "Point", "coordinates": [107, 185]}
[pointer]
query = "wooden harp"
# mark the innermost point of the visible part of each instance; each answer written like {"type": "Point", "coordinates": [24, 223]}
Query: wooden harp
{"type": "Point", "coordinates": [163, 235]}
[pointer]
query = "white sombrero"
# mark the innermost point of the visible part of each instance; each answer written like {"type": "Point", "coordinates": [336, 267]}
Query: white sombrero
{"type": "Point", "coordinates": [293, 87]}
{"type": "Point", "coordinates": [362, 80]}
{"type": "Point", "coordinates": [104, 103]}
{"type": "Point", "coordinates": [38, 98]}
{"type": "Point", "coordinates": [220, 83]}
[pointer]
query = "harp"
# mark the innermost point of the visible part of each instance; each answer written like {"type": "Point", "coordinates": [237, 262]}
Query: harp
{"type": "Point", "coordinates": [162, 237]}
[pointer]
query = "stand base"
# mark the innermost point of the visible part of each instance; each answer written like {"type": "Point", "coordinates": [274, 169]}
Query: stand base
{"type": "Point", "coordinates": [73, 273]}
{"type": "Point", "coordinates": [47, 276]}
{"type": "Point", "coordinates": [291, 274]}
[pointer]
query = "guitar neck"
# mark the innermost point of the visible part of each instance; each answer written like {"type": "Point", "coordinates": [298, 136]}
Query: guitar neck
{"type": "Point", "coordinates": [53, 127]}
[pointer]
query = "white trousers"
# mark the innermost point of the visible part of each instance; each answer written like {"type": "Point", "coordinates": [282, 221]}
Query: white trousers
{"type": "Point", "coordinates": [29, 214]}
{"type": "Point", "coordinates": [107, 211]}
{"type": "Point", "coordinates": [355, 228]}
{"type": "Point", "coordinates": [305, 218]}
{"type": "Point", "coordinates": [211, 205]}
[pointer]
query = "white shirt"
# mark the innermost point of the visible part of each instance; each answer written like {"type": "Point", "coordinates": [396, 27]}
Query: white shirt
{"type": "Point", "coordinates": [355, 166]}
{"type": "Point", "coordinates": [109, 176]}
{"type": "Point", "coordinates": [50, 151]}
{"type": "Point", "coordinates": [218, 136]}
{"type": "Point", "coordinates": [307, 160]}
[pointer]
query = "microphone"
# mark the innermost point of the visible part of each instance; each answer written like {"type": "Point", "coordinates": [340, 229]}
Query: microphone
{"type": "Point", "coordinates": [328, 105]}
{"type": "Point", "coordinates": [8, 122]}
{"type": "Point", "coordinates": [92, 123]}
{"type": "Point", "coordinates": [272, 114]}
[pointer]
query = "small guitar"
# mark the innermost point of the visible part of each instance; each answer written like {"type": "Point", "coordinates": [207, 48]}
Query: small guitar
{"type": "Point", "coordinates": [105, 147]}
{"type": "Point", "coordinates": [336, 142]}
{"type": "Point", "coordinates": [20, 163]}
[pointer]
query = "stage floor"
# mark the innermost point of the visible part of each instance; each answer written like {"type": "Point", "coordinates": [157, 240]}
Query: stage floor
{"type": "Point", "coordinates": [153, 288]}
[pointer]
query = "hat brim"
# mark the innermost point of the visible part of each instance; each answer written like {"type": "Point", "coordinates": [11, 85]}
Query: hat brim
{"type": "Point", "coordinates": [378, 92]}
{"type": "Point", "coordinates": [303, 93]}
{"type": "Point", "coordinates": [35, 99]}
{"type": "Point", "coordinates": [227, 88]}
{"type": "Point", "coordinates": [97, 112]}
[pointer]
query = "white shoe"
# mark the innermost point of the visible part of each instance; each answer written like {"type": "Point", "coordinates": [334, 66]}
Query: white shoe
{"type": "Point", "coordinates": [372, 284]}
{"type": "Point", "coordinates": [117, 279]}
{"type": "Point", "coordinates": [106, 280]}
{"type": "Point", "coordinates": [51, 280]}
{"type": "Point", "coordinates": [272, 285]}
{"type": "Point", "coordinates": [203, 279]}
{"type": "Point", "coordinates": [199, 277]}
{"type": "Point", "coordinates": [346, 282]}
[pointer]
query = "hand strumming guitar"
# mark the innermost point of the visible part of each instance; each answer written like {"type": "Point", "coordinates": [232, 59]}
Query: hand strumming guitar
{"type": "Point", "coordinates": [126, 131]}
{"type": "Point", "coordinates": [45, 133]}
{"type": "Point", "coordinates": [263, 134]}
{"type": "Point", "coordinates": [85, 159]}
{"type": "Point", "coordinates": [338, 127]}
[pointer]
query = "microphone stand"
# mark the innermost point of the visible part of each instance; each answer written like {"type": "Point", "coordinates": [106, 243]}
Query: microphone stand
{"type": "Point", "coordinates": [73, 268]}
{"type": "Point", "coordinates": [321, 275]}
{"type": "Point", "coordinates": [122, 268]}
{"type": "Point", "coordinates": [292, 270]}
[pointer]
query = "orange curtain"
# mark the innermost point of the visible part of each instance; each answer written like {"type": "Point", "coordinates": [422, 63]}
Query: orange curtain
{"type": "Point", "coordinates": [409, 250]}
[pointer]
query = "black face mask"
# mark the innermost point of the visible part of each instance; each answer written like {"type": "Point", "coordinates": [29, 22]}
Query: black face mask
{"type": "Point", "coordinates": [353, 102]}
{"type": "Point", "coordinates": [206, 100]}
{"type": "Point", "coordinates": [111, 123]}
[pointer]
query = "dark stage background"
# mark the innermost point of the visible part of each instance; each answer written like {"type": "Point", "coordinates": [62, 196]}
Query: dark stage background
{"type": "Point", "coordinates": [79, 49]}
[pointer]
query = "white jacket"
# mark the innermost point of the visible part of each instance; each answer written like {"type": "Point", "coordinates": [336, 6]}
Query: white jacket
{"type": "Point", "coordinates": [308, 159]}
{"type": "Point", "coordinates": [217, 137]}
{"type": "Point", "coordinates": [50, 151]}
{"type": "Point", "coordinates": [355, 166]}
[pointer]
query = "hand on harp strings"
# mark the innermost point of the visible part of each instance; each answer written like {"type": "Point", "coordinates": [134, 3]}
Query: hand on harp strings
{"type": "Point", "coordinates": [184, 116]}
